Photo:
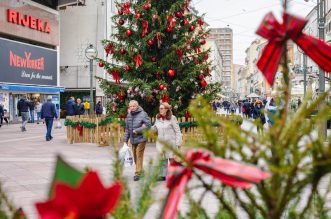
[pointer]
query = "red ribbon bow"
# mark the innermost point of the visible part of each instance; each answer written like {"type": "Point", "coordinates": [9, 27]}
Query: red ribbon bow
{"type": "Point", "coordinates": [197, 50]}
{"type": "Point", "coordinates": [79, 129]}
{"type": "Point", "coordinates": [277, 34]}
{"type": "Point", "coordinates": [229, 172]}
{"type": "Point", "coordinates": [109, 48]}
{"type": "Point", "coordinates": [126, 8]}
{"type": "Point", "coordinates": [158, 38]}
{"type": "Point", "coordinates": [145, 28]}
{"type": "Point", "coordinates": [138, 60]}
{"type": "Point", "coordinates": [179, 53]}
{"type": "Point", "coordinates": [115, 74]}
{"type": "Point", "coordinates": [171, 21]}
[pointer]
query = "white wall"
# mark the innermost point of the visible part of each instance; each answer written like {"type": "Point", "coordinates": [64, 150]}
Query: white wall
{"type": "Point", "coordinates": [81, 26]}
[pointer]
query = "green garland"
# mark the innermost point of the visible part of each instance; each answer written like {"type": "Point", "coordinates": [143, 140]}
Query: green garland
{"type": "Point", "coordinates": [106, 121]}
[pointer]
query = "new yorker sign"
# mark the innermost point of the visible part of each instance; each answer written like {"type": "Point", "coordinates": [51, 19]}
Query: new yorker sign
{"type": "Point", "coordinates": [37, 24]}
{"type": "Point", "coordinates": [26, 64]}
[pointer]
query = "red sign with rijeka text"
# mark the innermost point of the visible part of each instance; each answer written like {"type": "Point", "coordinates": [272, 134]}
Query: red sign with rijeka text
{"type": "Point", "coordinates": [18, 18]}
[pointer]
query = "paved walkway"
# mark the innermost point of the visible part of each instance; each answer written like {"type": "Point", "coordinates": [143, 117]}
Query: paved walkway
{"type": "Point", "coordinates": [27, 163]}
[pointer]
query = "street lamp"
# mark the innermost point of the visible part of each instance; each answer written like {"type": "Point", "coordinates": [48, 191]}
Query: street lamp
{"type": "Point", "coordinates": [91, 53]}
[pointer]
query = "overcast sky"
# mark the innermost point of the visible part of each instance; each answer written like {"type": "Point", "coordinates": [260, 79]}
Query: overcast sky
{"type": "Point", "coordinates": [244, 16]}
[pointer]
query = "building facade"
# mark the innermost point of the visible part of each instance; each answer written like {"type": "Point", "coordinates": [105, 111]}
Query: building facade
{"type": "Point", "coordinates": [29, 42]}
{"type": "Point", "coordinates": [95, 17]}
{"type": "Point", "coordinates": [224, 41]}
{"type": "Point", "coordinates": [216, 61]}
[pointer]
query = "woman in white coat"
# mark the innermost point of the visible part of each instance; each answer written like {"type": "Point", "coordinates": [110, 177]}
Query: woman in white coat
{"type": "Point", "coordinates": [167, 128]}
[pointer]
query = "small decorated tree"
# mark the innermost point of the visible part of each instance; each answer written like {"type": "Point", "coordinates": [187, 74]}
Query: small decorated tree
{"type": "Point", "coordinates": [157, 54]}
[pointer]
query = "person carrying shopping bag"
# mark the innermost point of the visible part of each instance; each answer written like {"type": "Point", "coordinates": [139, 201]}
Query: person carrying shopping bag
{"type": "Point", "coordinates": [167, 128]}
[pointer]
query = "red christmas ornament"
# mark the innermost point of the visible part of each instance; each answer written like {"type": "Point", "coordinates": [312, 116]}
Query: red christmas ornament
{"type": "Point", "coordinates": [100, 64]}
{"type": "Point", "coordinates": [147, 7]}
{"type": "Point", "coordinates": [150, 42]}
{"type": "Point", "coordinates": [192, 28]}
{"type": "Point", "coordinates": [162, 86]}
{"type": "Point", "coordinates": [127, 68]}
{"type": "Point", "coordinates": [185, 23]}
{"type": "Point", "coordinates": [121, 21]}
{"type": "Point", "coordinates": [203, 42]}
{"type": "Point", "coordinates": [154, 59]}
{"type": "Point", "coordinates": [203, 83]}
{"type": "Point", "coordinates": [122, 51]}
{"type": "Point", "coordinates": [171, 73]}
{"type": "Point", "coordinates": [158, 75]}
{"type": "Point", "coordinates": [165, 98]}
{"type": "Point", "coordinates": [205, 56]}
{"type": "Point", "coordinates": [128, 33]}
{"type": "Point", "coordinates": [200, 22]}
{"type": "Point", "coordinates": [169, 29]}
{"type": "Point", "coordinates": [138, 15]}
{"type": "Point", "coordinates": [120, 12]}
{"type": "Point", "coordinates": [188, 115]}
{"type": "Point", "coordinates": [179, 14]}
{"type": "Point", "coordinates": [201, 76]}
{"type": "Point", "coordinates": [196, 61]}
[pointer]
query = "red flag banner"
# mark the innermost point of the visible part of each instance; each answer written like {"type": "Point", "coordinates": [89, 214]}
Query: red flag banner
{"type": "Point", "coordinates": [277, 35]}
{"type": "Point", "coordinates": [228, 172]}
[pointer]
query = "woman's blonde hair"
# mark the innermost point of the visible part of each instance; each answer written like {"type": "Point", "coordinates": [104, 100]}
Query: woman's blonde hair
{"type": "Point", "coordinates": [168, 113]}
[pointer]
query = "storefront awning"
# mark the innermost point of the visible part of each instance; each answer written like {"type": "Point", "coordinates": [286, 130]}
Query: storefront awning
{"type": "Point", "coordinates": [31, 88]}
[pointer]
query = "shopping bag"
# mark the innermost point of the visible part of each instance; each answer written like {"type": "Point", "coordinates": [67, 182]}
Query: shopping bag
{"type": "Point", "coordinates": [58, 125]}
{"type": "Point", "coordinates": [125, 156]}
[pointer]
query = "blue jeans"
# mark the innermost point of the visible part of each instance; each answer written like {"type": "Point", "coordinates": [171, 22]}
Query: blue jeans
{"type": "Point", "coordinates": [49, 125]}
{"type": "Point", "coordinates": [38, 116]}
{"type": "Point", "coordinates": [32, 115]}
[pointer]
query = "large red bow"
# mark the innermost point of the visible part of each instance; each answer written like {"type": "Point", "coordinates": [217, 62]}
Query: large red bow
{"type": "Point", "coordinates": [79, 129]}
{"type": "Point", "coordinates": [145, 28]}
{"type": "Point", "coordinates": [126, 8]}
{"type": "Point", "coordinates": [138, 60]}
{"type": "Point", "coordinates": [277, 34]}
{"type": "Point", "coordinates": [116, 77]}
{"type": "Point", "coordinates": [171, 21]}
{"type": "Point", "coordinates": [229, 172]}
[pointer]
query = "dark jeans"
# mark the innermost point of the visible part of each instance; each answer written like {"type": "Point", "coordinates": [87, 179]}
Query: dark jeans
{"type": "Point", "coordinates": [49, 125]}
{"type": "Point", "coordinates": [32, 116]}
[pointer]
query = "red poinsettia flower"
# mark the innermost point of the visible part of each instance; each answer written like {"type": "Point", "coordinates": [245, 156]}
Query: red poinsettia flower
{"type": "Point", "coordinates": [90, 200]}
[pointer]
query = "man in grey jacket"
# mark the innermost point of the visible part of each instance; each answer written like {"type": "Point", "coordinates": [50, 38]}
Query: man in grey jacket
{"type": "Point", "coordinates": [136, 122]}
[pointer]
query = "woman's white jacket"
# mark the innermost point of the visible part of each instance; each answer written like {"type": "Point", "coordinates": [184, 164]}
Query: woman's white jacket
{"type": "Point", "coordinates": [168, 131]}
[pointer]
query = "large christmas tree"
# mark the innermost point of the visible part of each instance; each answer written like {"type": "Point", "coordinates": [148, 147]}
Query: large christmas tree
{"type": "Point", "coordinates": [156, 54]}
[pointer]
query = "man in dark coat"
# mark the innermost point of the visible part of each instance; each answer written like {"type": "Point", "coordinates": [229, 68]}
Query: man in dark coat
{"type": "Point", "coordinates": [98, 108]}
{"type": "Point", "coordinates": [23, 110]}
{"type": "Point", "coordinates": [79, 107]}
{"type": "Point", "coordinates": [136, 122]}
{"type": "Point", "coordinates": [31, 106]}
{"type": "Point", "coordinates": [70, 106]}
{"type": "Point", "coordinates": [48, 112]}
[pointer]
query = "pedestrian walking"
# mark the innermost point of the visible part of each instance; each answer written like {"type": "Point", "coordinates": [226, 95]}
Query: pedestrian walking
{"type": "Point", "coordinates": [2, 113]}
{"type": "Point", "coordinates": [79, 107]}
{"type": "Point", "coordinates": [299, 102]}
{"type": "Point", "coordinates": [258, 115]}
{"type": "Point", "coordinates": [23, 110]}
{"type": "Point", "coordinates": [98, 108]}
{"type": "Point", "coordinates": [31, 107]}
{"type": "Point", "coordinates": [86, 107]}
{"type": "Point", "coordinates": [38, 109]}
{"type": "Point", "coordinates": [70, 107]}
{"type": "Point", "coordinates": [48, 113]}
{"type": "Point", "coordinates": [272, 110]}
{"type": "Point", "coordinates": [136, 122]}
{"type": "Point", "coordinates": [167, 128]}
